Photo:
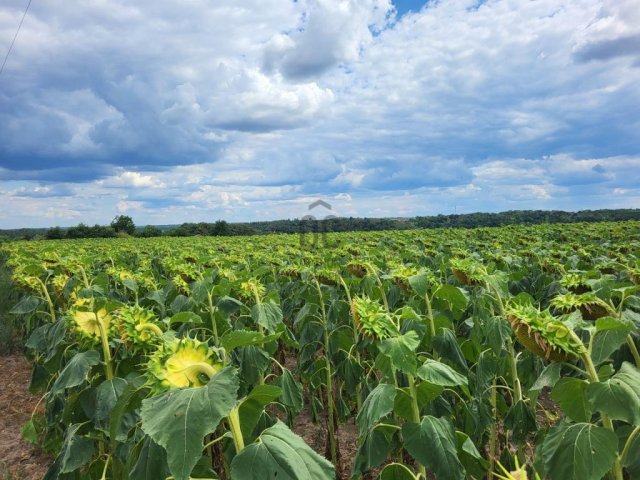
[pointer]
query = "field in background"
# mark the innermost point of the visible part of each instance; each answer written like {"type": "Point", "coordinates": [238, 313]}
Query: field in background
{"type": "Point", "coordinates": [448, 352]}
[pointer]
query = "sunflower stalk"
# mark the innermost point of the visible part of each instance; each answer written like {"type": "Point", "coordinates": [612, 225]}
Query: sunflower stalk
{"type": "Point", "coordinates": [329, 379]}
{"type": "Point", "coordinates": [47, 297]}
{"type": "Point", "coordinates": [106, 351]}
{"type": "Point", "coordinates": [212, 318]}
{"type": "Point", "coordinates": [415, 414]}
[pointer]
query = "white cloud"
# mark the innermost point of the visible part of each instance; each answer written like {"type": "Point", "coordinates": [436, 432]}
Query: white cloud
{"type": "Point", "coordinates": [236, 109]}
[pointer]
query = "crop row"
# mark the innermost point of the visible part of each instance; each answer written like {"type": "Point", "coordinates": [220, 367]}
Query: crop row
{"type": "Point", "coordinates": [486, 353]}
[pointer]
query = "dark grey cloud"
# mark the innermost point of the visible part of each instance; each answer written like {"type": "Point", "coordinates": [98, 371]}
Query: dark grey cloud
{"type": "Point", "coordinates": [627, 46]}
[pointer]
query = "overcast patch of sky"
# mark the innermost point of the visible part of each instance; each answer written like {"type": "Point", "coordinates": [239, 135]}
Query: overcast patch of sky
{"type": "Point", "coordinates": [186, 111]}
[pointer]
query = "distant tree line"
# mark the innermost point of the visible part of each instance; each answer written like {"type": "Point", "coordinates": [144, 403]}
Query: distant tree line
{"type": "Point", "coordinates": [123, 225]}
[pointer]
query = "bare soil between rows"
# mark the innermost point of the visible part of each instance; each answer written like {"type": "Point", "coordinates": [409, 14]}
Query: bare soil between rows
{"type": "Point", "coordinates": [19, 460]}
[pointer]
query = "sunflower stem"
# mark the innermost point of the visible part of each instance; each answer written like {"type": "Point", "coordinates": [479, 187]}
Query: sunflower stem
{"type": "Point", "coordinates": [106, 352]}
{"type": "Point", "coordinates": [415, 414]}
{"type": "Point", "coordinates": [329, 380]}
{"type": "Point", "coordinates": [236, 431]}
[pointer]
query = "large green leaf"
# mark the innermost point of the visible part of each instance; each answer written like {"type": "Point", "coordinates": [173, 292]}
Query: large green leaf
{"type": "Point", "coordinates": [606, 342]}
{"type": "Point", "coordinates": [241, 338]}
{"type": "Point", "coordinates": [375, 448]}
{"type": "Point", "coordinates": [433, 443]}
{"type": "Point", "coordinates": [76, 450]}
{"type": "Point", "coordinates": [419, 283]}
{"type": "Point", "coordinates": [548, 378]}
{"type": "Point", "coordinates": [396, 471]}
{"type": "Point", "coordinates": [438, 373]}
{"type": "Point", "coordinates": [403, 405]}
{"type": "Point", "coordinates": [269, 315]}
{"type": "Point", "coordinates": [401, 351]}
{"type": "Point", "coordinates": [618, 397]}
{"type": "Point", "coordinates": [570, 393]}
{"type": "Point", "coordinates": [446, 345]}
{"type": "Point", "coordinates": [279, 454]}
{"type": "Point", "coordinates": [185, 317]}
{"type": "Point", "coordinates": [453, 295]}
{"type": "Point", "coordinates": [252, 406]}
{"type": "Point", "coordinates": [521, 420]}
{"type": "Point", "coordinates": [292, 393]}
{"type": "Point", "coordinates": [107, 395]}
{"type": "Point", "coordinates": [581, 451]}
{"type": "Point", "coordinates": [378, 404]}
{"type": "Point", "coordinates": [26, 305]}
{"type": "Point", "coordinates": [76, 371]}
{"type": "Point", "coordinates": [179, 419]}
{"type": "Point", "coordinates": [151, 463]}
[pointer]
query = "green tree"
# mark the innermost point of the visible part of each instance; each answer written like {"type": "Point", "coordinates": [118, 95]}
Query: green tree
{"type": "Point", "coordinates": [123, 223]}
{"type": "Point", "coordinates": [150, 231]}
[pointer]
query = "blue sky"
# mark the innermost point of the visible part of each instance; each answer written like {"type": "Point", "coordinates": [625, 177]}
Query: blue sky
{"type": "Point", "coordinates": [249, 110]}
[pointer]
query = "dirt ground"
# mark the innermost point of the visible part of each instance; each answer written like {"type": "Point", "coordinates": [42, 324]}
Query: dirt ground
{"type": "Point", "coordinates": [18, 459]}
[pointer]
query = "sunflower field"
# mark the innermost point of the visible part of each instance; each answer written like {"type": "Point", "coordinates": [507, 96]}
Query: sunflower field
{"type": "Point", "coordinates": [500, 353]}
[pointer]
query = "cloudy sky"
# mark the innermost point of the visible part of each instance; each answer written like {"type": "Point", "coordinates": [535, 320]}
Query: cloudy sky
{"type": "Point", "coordinates": [196, 110]}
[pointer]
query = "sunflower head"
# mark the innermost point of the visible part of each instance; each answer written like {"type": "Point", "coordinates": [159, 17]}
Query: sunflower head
{"type": "Point", "coordinates": [138, 327]}
{"type": "Point", "coordinates": [357, 268]}
{"type": "Point", "coordinates": [575, 282]}
{"type": "Point", "coordinates": [468, 271]}
{"type": "Point", "coordinates": [252, 289]}
{"type": "Point", "coordinates": [89, 321]}
{"type": "Point", "coordinates": [371, 319]}
{"type": "Point", "coordinates": [290, 271]}
{"type": "Point", "coordinates": [590, 306]}
{"type": "Point", "coordinates": [183, 362]}
{"type": "Point", "coordinates": [543, 334]}
{"type": "Point", "coordinates": [327, 277]}
{"type": "Point", "coordinates": [401, 274]}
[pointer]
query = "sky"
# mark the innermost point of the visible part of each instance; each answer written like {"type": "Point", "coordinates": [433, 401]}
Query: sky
{"type": "Point", "coordinates": [243, 110]}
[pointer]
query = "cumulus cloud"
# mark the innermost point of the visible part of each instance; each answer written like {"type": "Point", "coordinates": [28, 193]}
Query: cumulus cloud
{"type": "Point", "coordinates": [236, 109]}
{"type": "Point", "coordinates": [330, 32]}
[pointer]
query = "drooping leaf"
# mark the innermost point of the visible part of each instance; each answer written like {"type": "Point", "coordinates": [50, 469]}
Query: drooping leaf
{"type": "Point", "coordinates": [446, 345]}
{"type": "Point", "coordinates": [580, 451]}
{"type": "Point", "coordinates": [521, 420]}
{"type": "Point", "coordinates": [453, 295]}
{"type": "Point", "coordinates": [251, 407]}
{"type": "Point", "coordinates": [548, 378]}
{"type": "Point", "coordinates": [403, 405]}
{"type": "Point", "coordinates": [27, 304]}
{"type": "Point", "coordinates": [396, 471]}
{"type": "Point", "coordinates": [76, 450]}
{"type": "Point", "coordinates": [570, 393]}
{"type": "Point", "coordinates": [419, 283]}
{"type": "Point", "coordinates": [76, 371]}
{"type": "Point", "coordinates": [618, 397]}
{"type": "Point", "coordinates": [151, 463]}
{"type": "Point", "coordinates": [179, 419]}
{"type": "Point", "coordinates": [378, 404]}
{"type": "Point", "coordinates": [185, 317]}
{"type": "Point", "coordinates": [606, 342]}
{"type": "Point", "coordinates": [432, 442]}
{"type": "Point", "coordinates": [292, 393]}
{"type": "Point", "coordinates": [241, 338]}
{"type": "Point", "coordinates": [401, 351]}
{"type": "Point", "coordinates": [375, 449]}
{"type": "Point", "coordinates": [438, 373]}
{"type": "Point", "coordinates": [107, 395]}
{"type": "Point", "coordinates": [279, 454]}
{"type": "Point", "coordinates": [268, 315]}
